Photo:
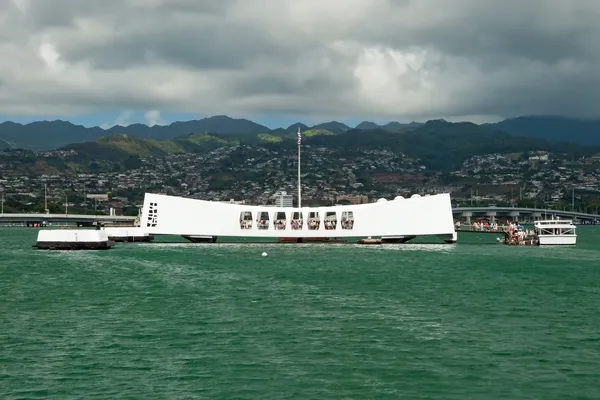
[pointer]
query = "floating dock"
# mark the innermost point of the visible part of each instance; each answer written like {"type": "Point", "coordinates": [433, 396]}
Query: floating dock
{"type": "Point", "coordinates": [200, 238]}
{"type": "Point", "coordinates": [128, 234]}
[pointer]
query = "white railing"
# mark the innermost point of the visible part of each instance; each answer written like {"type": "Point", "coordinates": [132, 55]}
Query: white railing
{"type": "Point", "coordinates": [73, 217]}
{"type": "Point", "coordinates": [525, 209]}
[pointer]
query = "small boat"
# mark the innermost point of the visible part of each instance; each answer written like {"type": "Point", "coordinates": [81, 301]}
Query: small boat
{"type": "Point", "coordinates": [369, 240]}
{"type": "Point", "coordinates": [519, 237]}
{"type": "Point", "coordinates": [555, 232]}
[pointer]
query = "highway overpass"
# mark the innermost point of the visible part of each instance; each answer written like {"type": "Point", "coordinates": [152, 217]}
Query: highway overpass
{"type": "Point", "coordinates": [522, 214]}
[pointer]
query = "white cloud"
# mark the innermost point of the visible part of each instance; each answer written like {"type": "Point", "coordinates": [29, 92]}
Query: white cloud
{"type": "Point", "coordinates": [21, 5]}
{"type": "Point", "coordinates": [49, 56]}
{"type": "Point", "coordinates": [153, 117]}
{"type": "Point", "coordinates": [124, 119]}
{"type": "Point", "coordinates": [393, 59]}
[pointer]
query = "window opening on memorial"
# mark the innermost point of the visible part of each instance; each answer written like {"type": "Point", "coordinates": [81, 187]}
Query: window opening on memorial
{"type": "Point", "coordinates": [347, 220]}
{"type": "Point", "coordinates": [280, 220]}
{"type": "Point", "coordinates": [330, 221]}
{"type": "Point", "coordinates": [262, 221]}
{"type": "Point", "coordinates": [297, 221]}
{"type": "Point", "coordinates": [152, 215]}
{"type": "Point", "coordinates": [314, 221]}
{"type": "Point", "coordinates": [246, 220]}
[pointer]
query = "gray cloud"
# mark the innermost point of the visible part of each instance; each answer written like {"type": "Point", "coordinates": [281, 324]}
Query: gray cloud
{"type": "Point", "coordinates": [336, 59]}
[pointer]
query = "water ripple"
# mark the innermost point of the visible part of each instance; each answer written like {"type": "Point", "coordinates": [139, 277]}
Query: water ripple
{"type": "Point", "coordinates": [182, 320]}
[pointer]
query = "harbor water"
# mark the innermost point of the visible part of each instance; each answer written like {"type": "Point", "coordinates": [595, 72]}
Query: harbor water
{"type": "Point", "coordinates": [475, 320]}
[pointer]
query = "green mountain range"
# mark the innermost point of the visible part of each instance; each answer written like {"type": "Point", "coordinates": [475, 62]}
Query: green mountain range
{"type": "Point", "coordinates": [439, 145]}
{"type": "Point", "coordinates": [48, 135]}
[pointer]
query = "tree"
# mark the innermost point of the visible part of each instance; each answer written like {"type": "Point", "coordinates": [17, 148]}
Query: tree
{"type": "Point", "coordinates": [527, 203]}
{"type": "Point", "coordinates": [561, 205]}
{"type": "Point", "coordinates": [131, 211]}
{"type": "Point", "coordinates": [94, 167]}
{"type": "Point", "coordinates": [132, 163]}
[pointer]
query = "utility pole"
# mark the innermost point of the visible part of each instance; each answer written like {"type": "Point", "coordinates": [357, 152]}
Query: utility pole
{"type": "Point", "coordinates": [573, 200]}
{"type": "Point", "coordinates": [66, 205]}
{"type": "Point", "coordinates": [299, 184]}
{"type": "Point", "coordinates": [520, 193]}
{"type": "Point", "coordinates": [84, 200]}
{"type": "Point", "coordinates": [2, 202]}
{"type": "Point", "coordinates": [46, 198]}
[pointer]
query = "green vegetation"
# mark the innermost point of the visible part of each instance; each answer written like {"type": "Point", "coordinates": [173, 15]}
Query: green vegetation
{"type": "Point", "coordinates": [119, 147]}
{"type": "Point", "coordinates": [49, 135]}
{"type": "Point", "coordinates": [438, 145]}
{"type": "Point", "coordinates": [201, 139]}
{"type": "Point", "coordinates": [266, 137]}
{"type": "Point", "coordinates": [317, 132]}
{"type": "Point", "coordinates": [200, 142]}
{"type": "Point", "coordinates": [442, 146]}
{"type": "Point", "coordinates": [140, 147]}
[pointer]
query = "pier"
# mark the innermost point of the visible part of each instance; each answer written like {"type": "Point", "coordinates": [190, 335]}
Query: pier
{"type": "Point", "coordinates": [508, 237]}
{"type": "Point", "coordinates": [522, 214]}
{"type": "Point", "coordinates": [469, 228]}
{"type": "Point", "coordinates": [501, 230]}
{"type": "Point", "coordinates": [38, 220]}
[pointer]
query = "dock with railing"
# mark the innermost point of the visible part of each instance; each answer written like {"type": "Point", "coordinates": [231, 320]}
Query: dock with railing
{"type": "Point", "coordinates": [529, 239]}
{"type": "Point", "coordinates": [500, 229]}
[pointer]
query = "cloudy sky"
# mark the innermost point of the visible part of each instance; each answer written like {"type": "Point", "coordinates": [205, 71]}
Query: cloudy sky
{"type": "Point", "coordinates": [278, 61]}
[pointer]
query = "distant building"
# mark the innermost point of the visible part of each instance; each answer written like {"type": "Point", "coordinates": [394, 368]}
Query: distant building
{"type": "Point", "coordinates": [284, 200]}
{"type": "Point", "coordinates": [360, 199]}
{"type": "Point", "coordinates": [233, 201]}
{"type": "Point", "coordinates": [543, 157]}
{"type": "Point", "coordinates": [97, 196]}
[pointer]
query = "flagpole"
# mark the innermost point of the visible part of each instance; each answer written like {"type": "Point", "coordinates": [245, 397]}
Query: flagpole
{"type": "Point", "coordinates": [299, 186]}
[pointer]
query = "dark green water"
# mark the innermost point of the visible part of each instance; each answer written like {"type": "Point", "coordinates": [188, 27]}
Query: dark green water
{"type": "Point", "coordinates": [475, 320]}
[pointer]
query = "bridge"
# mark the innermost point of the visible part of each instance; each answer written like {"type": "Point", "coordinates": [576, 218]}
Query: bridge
{"type": "Point", "coordinates": [522, 214]}
{"type": "Point", "coordinates": [467, 213]}
{"type": "Point", "coordinates": [14, 219]}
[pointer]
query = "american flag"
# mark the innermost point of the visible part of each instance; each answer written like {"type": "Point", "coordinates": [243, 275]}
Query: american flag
{"type": "Point", "coordinates": [299, 137]}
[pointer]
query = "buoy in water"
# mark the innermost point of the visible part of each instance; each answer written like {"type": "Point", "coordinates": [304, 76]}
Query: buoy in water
{"type": "Point", "coordinates": [264, 254]}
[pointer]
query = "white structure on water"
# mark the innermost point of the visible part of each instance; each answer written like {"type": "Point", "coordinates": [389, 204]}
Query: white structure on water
{"type": "Point", "coordinates": [400, 219]}
{"type": "Point", "coordinates": [396, 220]}
{"type": "Point", "coordinates": [555, 232]}
{"type": "Point", "coordinates": [73, 239]}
